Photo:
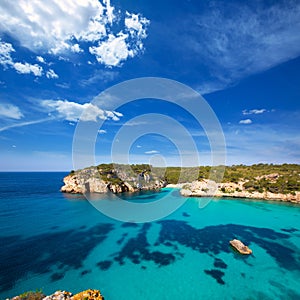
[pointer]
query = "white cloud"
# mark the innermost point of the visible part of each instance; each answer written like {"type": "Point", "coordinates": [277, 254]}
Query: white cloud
{"type": "Point", "coordinates": [114, 115]}
{"type": "Point", "coordinates": [72, 111]}
{"type": "Point", "coordinates": [5, 53]}
{"type": "Point", "coordinates": [28, 68]}
{"type": "Point", "coordinates": [102, 131]}
{"type": "Point", "coordinates": [40, 59]}
{"type": "Point", "coordinates": [22, 68]}
{"type": "Point", "coordinates": [109, 11]}
{"type": "Point", "coordinates": [137, 123]}
{"type": "Point", "coordinates": [254, 111]}
{"type": "Point", "coordinates": [212, 86]}
{"type": "Point", "coordinates": [58, 27]}
{"type": "Point", "coordinates": [10, 111]}
{"type": "Point", "coordinates": [113, 51]}
{"type": "Point", "coordinates": [136, 24]}
{"type": "Point", "coordinates": [6, 60]}
{"type": "Point", "coordinates": [152, 152]}
{"type": "Point", "coordinates": [51, 74]}
{"type": "Point", "coordinates": [139, 146]}
{"type": "Point", "coordinates": [76, 48]}
{"type": "Point", "coordinates": [48, 25]}
{"type": "Point", "coordinates": [63, 85]}
{"type": "Point", "coordinates": [96, 31]}
{"type": "Point", "coordinates": [118, 114]}
{"type": "Point", "coordinates": [24, 124]}
{"type": "Point", "coordinates": [246, 121]}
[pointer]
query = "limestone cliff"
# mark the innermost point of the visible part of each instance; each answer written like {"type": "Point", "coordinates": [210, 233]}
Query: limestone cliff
{"type": "Point", "coordinates": [113, 178]}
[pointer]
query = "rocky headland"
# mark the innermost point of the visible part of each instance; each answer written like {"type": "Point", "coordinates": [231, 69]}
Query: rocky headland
{"type": "Point", "coordinates": [112, 178]}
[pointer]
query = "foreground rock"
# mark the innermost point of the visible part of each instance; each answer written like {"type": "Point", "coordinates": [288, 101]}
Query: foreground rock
{"type": "Point", "coordinates": [61, 295]}
{"type": "Point", "coordinates": [88, 295]}
{"type": "Point", "coordinates": [240, 247]}
{"type": "Point", "coordinates": [114, 179]}
{"type": "Point", "coordinates": [209, 188]}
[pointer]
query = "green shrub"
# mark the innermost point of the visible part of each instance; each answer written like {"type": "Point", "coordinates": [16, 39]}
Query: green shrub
{"type": "Point", "coordinates": [32, 295]}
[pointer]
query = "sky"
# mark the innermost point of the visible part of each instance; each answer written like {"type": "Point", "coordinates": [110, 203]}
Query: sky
{"type": "Point", "coordinates": [57, 58]}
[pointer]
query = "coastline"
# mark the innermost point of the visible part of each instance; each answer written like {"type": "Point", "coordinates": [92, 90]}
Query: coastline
{"type": "Point", "coordinates": [209, 188]}
{"type": "Point", "coordinates": [264, 182]}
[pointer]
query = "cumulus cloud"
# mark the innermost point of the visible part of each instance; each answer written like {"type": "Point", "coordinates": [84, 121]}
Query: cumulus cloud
{"type": "Point", "coordinates": [254, 111]}
{"type": "Point", "coordinates": [117, 48]}
{"type": "Point", "coordinates": [51, 74]}
{"type": "Point", "coordinates": [5, 53]}
{"type": "Point", "coordinates": [10, 111]}
{"type": "Point", "coordinates": [58, 27]}
{"type": "Point", "coordinates": [152, 152]}
{"type": "Point", "coordinates": [112, 51]}
{"type": "Point", "coordinates": [22, 68]}
{"type": "Point", "coordinates": [72, 111]}
{"type": "Point", "coordinates": [246, 121]}
{"type": "Point", "coordinates": [28, 68]}
{"type": "Point", "coordinates": [48, 25]}
{"type": "Point", "coordinates": [136, 24]}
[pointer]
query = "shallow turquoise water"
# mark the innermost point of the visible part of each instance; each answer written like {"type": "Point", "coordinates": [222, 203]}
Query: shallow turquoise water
{"type": "Point", "coordinates": [56, 241]}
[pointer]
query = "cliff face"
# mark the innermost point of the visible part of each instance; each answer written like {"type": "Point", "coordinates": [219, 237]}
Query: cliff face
{"type": "Point", "coordinates": [97, 180]}
{"type": "Point", "coordinates": [78, 185]}
{"type": "Point", "coordinates": [209, 188]}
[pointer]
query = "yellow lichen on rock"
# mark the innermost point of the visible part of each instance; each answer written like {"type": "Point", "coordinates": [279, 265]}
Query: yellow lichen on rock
{"type": "Point", "coordinates": [88, 295]}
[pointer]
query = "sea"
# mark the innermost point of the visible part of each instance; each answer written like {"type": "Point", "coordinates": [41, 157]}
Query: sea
{"type": "Point", "coordinates": [55, 241]}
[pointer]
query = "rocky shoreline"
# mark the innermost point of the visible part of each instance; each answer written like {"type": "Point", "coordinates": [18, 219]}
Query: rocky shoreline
{"type": "Point", "coordinates": [209, 188]}
{"type": "Point", "coordinates": [121, 178]}
{"type": "Point", "coordinates": [97, 180]}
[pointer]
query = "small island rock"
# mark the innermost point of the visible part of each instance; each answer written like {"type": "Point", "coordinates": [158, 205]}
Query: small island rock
{"type": "Point", "coordinates": [240, 247]}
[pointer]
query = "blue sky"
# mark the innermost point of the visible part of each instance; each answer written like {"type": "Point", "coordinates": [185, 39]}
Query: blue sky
{"type": "Point", "coordinates": [58, 56]}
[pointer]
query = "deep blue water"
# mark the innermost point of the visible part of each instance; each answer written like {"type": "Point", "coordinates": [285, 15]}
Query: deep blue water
{"type": "Point", "coordinates": [53, 241]}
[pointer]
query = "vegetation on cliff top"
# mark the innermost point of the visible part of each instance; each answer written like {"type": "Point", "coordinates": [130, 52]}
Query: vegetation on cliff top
{"type": "Point", "coordinates": [283, 178]}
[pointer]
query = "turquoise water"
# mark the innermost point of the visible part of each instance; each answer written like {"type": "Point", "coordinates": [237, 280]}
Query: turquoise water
{"type": "Point", "coordinates": [53, 241]}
